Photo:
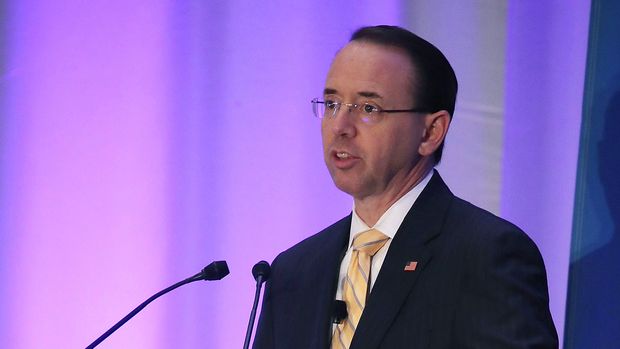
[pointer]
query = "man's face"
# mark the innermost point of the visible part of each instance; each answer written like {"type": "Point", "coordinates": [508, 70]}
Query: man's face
{"type": "Point", "coordinates": [368, 160]}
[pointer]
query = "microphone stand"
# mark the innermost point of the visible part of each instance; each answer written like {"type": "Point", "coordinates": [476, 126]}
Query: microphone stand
{"type": "Point", "coordinates": [261, 272]}
{"type": "Point", "coordinates": [214, 271]}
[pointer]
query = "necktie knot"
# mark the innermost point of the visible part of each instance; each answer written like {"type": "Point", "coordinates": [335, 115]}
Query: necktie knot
{"type": "Point", "coordinates": [369, 242]}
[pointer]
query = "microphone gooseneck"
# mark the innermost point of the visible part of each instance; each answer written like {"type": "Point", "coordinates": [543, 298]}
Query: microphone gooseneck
{"type": "Point", "coordinates": [214, 271]}
{"type": "Point", "coordinates": [261, 272]}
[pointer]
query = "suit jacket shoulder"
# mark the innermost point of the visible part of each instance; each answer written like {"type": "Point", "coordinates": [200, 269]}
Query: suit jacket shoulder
{"type": "Point", "coordinates": [307, 251]}
{"type": "Point", "coordinates": [504, 300]}
{"type": "Point", "coordinates": [299, 296]}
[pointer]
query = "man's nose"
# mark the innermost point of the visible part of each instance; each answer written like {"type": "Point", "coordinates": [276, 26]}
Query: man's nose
{"type": "Point", "coordinates": [343, 122]}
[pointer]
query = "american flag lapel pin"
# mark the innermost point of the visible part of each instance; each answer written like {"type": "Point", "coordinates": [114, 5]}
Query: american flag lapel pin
{"type": "Point", "coordinates": [410, 266]}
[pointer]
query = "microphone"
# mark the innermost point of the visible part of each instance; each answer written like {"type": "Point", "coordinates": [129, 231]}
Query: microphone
{"type": "Point", "coordinates": [339, 311]}
{"type": "Point", "coordinates": [261, 272]}
{"type": "Point", "coordinates": [214, 271]}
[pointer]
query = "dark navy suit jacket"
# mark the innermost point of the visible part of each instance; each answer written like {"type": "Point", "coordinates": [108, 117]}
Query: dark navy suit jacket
{"type": "Point", "coordinates": [480, 282]}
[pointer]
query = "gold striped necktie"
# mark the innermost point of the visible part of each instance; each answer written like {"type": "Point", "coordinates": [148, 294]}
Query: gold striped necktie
{"type": "Point", "coordinates": [355, 285]}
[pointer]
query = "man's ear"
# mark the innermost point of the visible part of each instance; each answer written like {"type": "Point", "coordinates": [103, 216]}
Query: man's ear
{"type": "Point", "coordinates": [435, 129]}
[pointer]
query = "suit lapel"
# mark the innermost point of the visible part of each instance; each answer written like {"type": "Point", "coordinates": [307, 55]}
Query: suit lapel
{"type": "Point", "coordinates": [421, 225]}
{"type": "Point", "coordinates": [331, 254]}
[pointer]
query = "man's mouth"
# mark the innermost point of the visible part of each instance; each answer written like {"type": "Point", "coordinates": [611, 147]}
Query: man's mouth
{"type": "Point", "coordinates": [343, 155]}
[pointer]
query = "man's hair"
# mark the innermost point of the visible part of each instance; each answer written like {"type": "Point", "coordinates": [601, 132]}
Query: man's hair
{"type": "Point", "coordinates": [434, 87]}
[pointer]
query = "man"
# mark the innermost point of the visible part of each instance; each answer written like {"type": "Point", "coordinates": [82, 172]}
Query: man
{"type": "Point", "coordinates": [415, 266]}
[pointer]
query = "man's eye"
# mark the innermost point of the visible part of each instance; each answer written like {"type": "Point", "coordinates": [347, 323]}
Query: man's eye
{"type": "Point", "coordinates": [369, 108]}
{"type": "Point", "coordinates": [330, 104]}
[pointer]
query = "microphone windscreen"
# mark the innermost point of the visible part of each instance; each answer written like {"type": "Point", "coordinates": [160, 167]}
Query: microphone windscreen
{"type": "Point", "coordinates": [263, 269]}
{"type": "Point", "coordinates": [215, 271]}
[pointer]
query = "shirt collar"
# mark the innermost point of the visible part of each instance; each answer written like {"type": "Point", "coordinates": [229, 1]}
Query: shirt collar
{"type": "Point", "coordinates": [391, 220]}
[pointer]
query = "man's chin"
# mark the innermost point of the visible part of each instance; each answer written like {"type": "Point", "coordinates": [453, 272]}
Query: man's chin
{"type": "Point", "coordinates": [349, 187]}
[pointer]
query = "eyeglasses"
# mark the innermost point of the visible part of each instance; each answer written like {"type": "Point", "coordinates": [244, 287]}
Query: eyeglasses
{"type": "Point", "coordinates": [367, 112]}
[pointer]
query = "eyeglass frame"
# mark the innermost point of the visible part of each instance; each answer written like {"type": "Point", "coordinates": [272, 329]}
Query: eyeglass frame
{"type": "Point", "coordinates": [358, 107]}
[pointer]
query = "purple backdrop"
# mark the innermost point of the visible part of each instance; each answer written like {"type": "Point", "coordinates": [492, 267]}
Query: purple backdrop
{"type": "Point", "coordinates": [143, 140]}
{"type": "Point", "coordinates": [545, 70]}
